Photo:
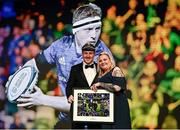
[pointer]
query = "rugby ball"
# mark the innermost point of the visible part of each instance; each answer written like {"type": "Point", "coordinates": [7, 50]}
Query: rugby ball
{"type": "Point", "coordinates": [21, 82]}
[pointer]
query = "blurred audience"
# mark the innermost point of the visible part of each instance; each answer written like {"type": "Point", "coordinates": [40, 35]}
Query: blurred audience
{"type": "Point", "coordinates": [17, 124]}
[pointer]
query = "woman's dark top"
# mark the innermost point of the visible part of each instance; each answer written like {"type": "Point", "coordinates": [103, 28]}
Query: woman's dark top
{"type": "Point", "coordinates": [121, 106]}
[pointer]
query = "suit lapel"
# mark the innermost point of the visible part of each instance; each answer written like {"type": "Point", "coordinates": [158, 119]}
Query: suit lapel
{"type": "Point", "coordinates": [95, 78]}
{"type": "Point", "coordinates": [83, 75]}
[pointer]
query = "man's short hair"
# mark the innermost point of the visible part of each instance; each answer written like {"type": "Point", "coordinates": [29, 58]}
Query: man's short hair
{"type": "Point", "coordinates": [85, 11]}
{"type": "Point", "coordinates": [88, 47]}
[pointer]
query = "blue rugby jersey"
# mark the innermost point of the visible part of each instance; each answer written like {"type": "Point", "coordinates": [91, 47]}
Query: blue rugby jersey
{"type": "Point", "coordinates": [64, 54]}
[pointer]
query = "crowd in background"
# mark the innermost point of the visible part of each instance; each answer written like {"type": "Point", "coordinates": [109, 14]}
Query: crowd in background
{"type": "Point", "coordinates": [144, 39]}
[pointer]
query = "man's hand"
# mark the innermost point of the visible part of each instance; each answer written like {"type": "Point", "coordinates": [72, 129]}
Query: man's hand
{"type": "Point", "coordinates": [36, 98]}
{"type": "Point", "coordinates": [70, 99]}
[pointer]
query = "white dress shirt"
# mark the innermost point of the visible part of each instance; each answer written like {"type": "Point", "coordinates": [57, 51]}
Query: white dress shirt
{"type": "Point", "coordinates": [89, 73]}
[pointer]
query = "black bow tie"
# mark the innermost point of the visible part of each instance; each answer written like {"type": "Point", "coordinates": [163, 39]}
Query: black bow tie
{"type": "Point", "coordinates": [89, 66]}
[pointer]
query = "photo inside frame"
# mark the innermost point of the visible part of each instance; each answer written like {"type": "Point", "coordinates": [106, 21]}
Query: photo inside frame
{"type": "Point", "coordinates": [93, 104]}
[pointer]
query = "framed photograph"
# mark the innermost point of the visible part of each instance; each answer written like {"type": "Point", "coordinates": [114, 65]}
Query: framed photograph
{"type": "Point", "coordinates": [93, 106]}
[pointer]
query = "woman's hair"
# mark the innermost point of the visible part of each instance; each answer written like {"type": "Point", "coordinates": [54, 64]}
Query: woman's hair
{"type": "Point", "coordinates": [111, 60]}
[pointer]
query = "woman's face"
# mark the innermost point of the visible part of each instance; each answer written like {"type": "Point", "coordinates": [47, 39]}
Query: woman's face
{"type": "Point", "coordinates": [104, 63]}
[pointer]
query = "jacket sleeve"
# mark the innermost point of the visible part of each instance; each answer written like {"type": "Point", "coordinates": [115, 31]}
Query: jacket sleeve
{"type": "Point", "coordinates": [71, 82]}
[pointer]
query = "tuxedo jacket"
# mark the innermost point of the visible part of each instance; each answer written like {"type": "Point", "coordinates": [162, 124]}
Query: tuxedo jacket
{"type": "Point", "coordinates": [77, 79]}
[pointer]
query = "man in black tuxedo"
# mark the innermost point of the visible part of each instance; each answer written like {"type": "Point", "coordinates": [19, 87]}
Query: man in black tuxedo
{"type": "Point", "coordinates": [83, 75]}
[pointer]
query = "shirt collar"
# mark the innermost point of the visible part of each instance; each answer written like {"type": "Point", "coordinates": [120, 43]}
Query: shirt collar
{"type": "Point", "coordinates": [86, 64]}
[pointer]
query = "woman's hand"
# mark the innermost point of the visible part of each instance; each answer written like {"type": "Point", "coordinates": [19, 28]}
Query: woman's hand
{"type": "Point", "coordinates": [95, 86]}
{"type": "Point", "coordinates": [70, 99]}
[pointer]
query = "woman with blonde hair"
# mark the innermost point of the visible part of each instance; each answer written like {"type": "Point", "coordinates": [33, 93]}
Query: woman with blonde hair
{"type": "Point", "coordinates": [112, 79]}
